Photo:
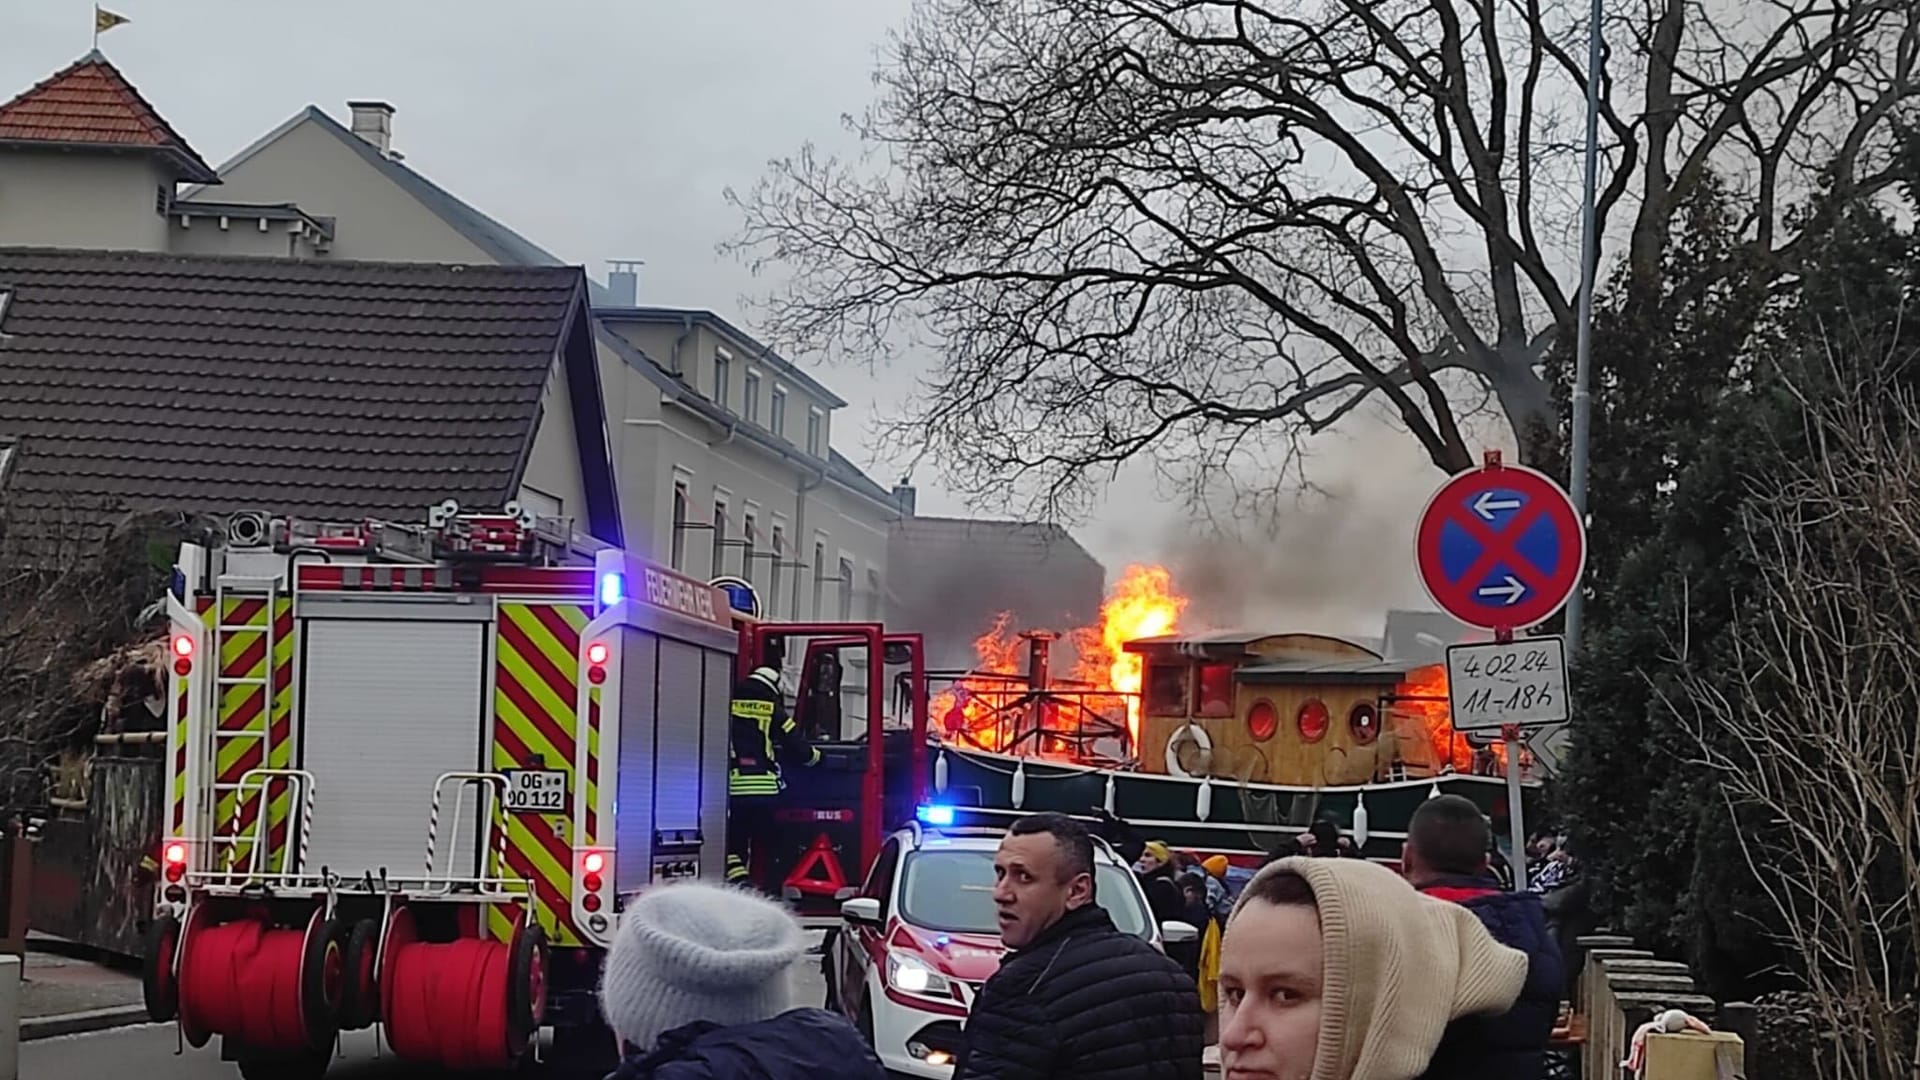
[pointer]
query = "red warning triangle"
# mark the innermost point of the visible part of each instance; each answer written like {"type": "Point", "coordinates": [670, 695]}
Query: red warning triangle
{"type": "Point", "coordinates": [818, 860]}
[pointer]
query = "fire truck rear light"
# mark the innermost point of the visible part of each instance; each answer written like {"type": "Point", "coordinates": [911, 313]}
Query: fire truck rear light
{"type": "Point", "coordinates": [175, 872]}
{"type": "Point", "coordinates": [596, 675]}
{"type": "Point", "coordinates": [183, 646]}
{"type": "Point", "coordinates": [591, 902]}
{"type": "Point", "coordinates": [594, 862]}
{"type": "Point", "coordinates": [176, 854]}
{"type": "Point", "coordinates": [597, 653]}
{"type": "Point", "coordinates": [183, 667]}
{"type": "Point", "coordinates": [592, 883]}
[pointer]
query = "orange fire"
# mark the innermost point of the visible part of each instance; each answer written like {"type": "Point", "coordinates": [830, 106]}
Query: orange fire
{"type": "Point", "coordinates": [1142, 603]}
{"type": "Point", "coordinates": [1422, 699]}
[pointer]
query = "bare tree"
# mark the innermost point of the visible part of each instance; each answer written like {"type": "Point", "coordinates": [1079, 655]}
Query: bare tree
{"type": "Point", "coordinates": [72, 594]}
{"type": "Point", "coordinates": [1809, 721]}
{"type": "Point", "coordinates": [1205, 228]}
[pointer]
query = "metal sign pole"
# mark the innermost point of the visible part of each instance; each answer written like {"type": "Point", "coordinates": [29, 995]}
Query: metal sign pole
{"type": "Point", "coordinates": [1516, 826]}
{"type": "Point", "coordinates": [1516, 812]}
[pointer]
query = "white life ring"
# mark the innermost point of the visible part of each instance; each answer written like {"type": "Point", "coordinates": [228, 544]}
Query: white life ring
{"type": "Point", "coordinates": [1201, 740]}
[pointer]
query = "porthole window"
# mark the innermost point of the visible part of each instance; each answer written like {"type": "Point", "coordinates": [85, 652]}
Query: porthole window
{"type": "Point", "coordinates": [1313, 720]}
{"type": "Point", "coordinates": [1263, 720]}
{"type": "Point", "coordinates": [1364, 724]}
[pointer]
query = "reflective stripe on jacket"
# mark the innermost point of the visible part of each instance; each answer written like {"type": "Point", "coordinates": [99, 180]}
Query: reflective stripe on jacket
{"type": "Point", "coordinates": [762, 737]}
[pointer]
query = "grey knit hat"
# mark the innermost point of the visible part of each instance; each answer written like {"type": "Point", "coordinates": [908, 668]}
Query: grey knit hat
{"type": "Point", "coordinates": [690, 951]}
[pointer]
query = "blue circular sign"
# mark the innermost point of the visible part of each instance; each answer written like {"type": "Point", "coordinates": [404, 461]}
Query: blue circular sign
{"type": "Point", "coordinates": [741, 595]}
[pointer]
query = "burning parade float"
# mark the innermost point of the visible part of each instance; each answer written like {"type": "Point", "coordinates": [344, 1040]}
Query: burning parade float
{"type": "Point", "coordinates": [1219, 742]}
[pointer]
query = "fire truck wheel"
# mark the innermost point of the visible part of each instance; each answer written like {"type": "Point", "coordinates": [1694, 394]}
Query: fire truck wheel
{"type": "Point", "coordinates": [526, 987]}
{"type": "Point", "coordinates": [359, 996]}
{"type": "Point", "coordinates": [321, 972]}
{"type": "Point", "coordinates": [159, 983]}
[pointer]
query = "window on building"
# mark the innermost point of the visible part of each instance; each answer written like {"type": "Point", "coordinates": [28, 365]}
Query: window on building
{"type": "Point", "coordinates": [813, 431]}
{"type": "Point", "coordinates": [750, 391]}
{"type": "Point", "coordinates": [873, 595]}
{"type": "Point", "coordinates": [819, 577]}
{"type": "Point", "coordinates": [777, 411]}
{"type": "Point", "coordinates": [722, 372]}
{"type": "Point", "coordinates": [773, 582]}
{"type": "Point", "coordinates": [678, 545]}
{"type": "Point", "coordinates": [719, 538]}
{"type": "Point", "coordinates": [6, 458]}
{"type": "Point", "coordinates": [749, 532]}
{"type": "Point", "coordinates": [846, 590]}
{"type": "Point", "coordinates": [162, 200]}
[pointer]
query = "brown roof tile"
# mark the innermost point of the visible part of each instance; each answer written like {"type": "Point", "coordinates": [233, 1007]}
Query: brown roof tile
{"type": "Point", "coordinates": [316, 388]}
{"type": "Point", "coordinates": [89, 103]}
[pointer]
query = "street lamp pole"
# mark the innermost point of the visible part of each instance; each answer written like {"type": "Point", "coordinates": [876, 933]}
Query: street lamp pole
{"type": "Point", "coordinates": [1583, 349]}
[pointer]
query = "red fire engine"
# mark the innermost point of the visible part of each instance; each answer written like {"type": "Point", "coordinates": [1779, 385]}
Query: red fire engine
{"type": "Point", "coordinates": [413, 772]}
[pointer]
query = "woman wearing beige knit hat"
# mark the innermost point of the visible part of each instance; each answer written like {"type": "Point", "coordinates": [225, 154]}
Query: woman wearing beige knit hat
{"type": "Point", "coordinates": [1336, 969]}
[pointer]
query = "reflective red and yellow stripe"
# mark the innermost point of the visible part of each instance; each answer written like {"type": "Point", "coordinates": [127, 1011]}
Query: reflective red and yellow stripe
{"type": "Point", "coordinates": [246, 708]}
{"type": "Point", "coordinates": [183, 736]}
{"type": "Point", "coordinates": [534, 681]}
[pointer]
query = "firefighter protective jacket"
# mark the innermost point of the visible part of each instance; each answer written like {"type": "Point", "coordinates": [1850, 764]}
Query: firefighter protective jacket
{"type": "Point", "coordinates": [763, 736]}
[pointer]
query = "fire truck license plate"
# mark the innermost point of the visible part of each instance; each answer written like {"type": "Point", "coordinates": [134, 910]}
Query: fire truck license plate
{"type": "Point", "coordinates": [532, 791]}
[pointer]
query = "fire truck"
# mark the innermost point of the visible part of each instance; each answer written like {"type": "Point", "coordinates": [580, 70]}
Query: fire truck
{"type": "Point", "coordinates": [414, 771]}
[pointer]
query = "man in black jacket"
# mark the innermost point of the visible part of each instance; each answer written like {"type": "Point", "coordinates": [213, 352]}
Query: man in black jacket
{"type": "Point", "coordinates": [1446, 858]}
{"type": "Point", "coordinates": [1075, 997]}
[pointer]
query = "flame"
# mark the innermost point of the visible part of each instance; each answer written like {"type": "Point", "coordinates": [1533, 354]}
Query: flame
{"type": "Point", "coordinates": [1422, 700]}
{"type": "Point", "coordinates": [1142, 603]}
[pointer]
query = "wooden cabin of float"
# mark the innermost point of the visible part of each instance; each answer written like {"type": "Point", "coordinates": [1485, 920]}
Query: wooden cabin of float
{"type": "Point", "coordinates": [1295, 709]}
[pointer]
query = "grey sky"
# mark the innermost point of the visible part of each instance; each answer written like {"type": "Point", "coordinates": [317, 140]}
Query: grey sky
{"type": "Point", "coordinates": [609, 130]}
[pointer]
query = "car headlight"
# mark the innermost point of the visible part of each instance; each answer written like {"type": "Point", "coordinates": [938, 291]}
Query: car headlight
{"type": "Point", "coordinates": [911, 976]}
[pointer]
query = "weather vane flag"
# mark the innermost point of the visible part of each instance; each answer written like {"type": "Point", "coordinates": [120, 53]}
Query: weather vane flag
{"type": "Point", "coordinates": [104, 20]}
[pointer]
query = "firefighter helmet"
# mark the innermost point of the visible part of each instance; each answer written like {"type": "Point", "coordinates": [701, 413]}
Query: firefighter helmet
{"type": "Point", "coordinates": [766, 675]}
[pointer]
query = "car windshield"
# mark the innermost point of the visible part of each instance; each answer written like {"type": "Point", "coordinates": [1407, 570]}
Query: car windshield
{"type": "Point", "coordinates": [953, 891]}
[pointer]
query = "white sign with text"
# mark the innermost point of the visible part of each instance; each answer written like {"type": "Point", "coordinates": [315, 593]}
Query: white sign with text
{"type": "Point", "coordinates": [1521, 682]}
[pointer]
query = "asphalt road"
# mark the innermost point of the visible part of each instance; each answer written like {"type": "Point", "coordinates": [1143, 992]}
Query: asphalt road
{"type": "Point", "coordinates": [149, 1052]}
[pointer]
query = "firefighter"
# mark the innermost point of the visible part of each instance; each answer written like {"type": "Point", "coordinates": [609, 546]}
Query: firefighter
{"type": "Point", "coordinates": [762, 738]}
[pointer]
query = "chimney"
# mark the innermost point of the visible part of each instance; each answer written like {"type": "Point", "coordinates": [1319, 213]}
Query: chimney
{"type": "Point", "coordinates": [623, 281]}
{"type": "Point", "coordinates": [903, 494]}
{"type": "Point", "coordinates": [373, 122]}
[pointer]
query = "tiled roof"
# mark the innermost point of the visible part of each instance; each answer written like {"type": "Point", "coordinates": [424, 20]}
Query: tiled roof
{"type": "Point", "coordinates": [89, 103]}
{"type": "Point", "coordinates": [317, 388]}
{"type": "Point", "coordinates": [1034, 542]}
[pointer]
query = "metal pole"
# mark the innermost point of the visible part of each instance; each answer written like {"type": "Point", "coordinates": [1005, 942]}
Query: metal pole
{"type": "Point", "coordinates": [1516, 825]}
{"type": "Point", "coordinates": [1583, 349]}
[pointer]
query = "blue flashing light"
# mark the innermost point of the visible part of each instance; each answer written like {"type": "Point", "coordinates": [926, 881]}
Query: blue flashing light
{"type": "Point", "coordinates": [938, 816]}
{"type": "Point", "coordinates": [613, 589]}
{"type": "Point", "coordinates": [942, 941]}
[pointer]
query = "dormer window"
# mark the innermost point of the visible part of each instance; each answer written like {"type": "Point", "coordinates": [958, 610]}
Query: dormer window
{"type": "Point", "coordinates": [778, 410]}
{"type": "Point", "coordinates": [750, 389]}
{"type": "Point", "coordinates": [722, 373]}
{"type": "Point", "coordinates": [814, 423]}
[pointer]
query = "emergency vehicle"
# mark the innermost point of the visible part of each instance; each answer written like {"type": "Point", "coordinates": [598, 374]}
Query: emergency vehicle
{"type": "Point", "coordinates": [412, 770]}
{"type": "Point", "coordinates": [922, 936]}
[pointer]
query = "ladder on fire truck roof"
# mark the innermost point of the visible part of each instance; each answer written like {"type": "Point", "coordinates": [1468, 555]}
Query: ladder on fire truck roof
{"type": "Point", "coordinates": [513, 535]}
